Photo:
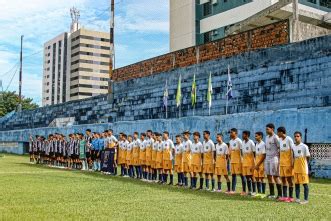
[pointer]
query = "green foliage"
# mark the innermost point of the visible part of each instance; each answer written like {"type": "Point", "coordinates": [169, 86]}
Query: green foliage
{"type": "Point", "coordinates": [32, 192]}
{"type": "Point", "coordinates": [10, 100]}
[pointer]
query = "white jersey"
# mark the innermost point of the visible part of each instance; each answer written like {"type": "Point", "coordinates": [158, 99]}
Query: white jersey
{"type": "Point", "coordinates": [235, 144]}
{"type": "Point", "coordinates": [155, 146]}
{"type": "Point", "coordinates": [208, 146]}
{"type": "Point", "coordinates": [136, 143]}
{"type": "Point", "coordinates": [222, 149]}
{"type": "Point", "coordinates": [130, 146]}
{"type": "Point", "coordinates": [142, 145]}
{"type": "Point", "coordinates": [286, 144]}
{"type": "Point", "coordinates": [125, 145]}
{"type": "Point", "coordinates": [248, 147]}
{"type": "Point", "coordinates": [179, 149]}
{"type": "Point", "coordinates": [272, 146]}
{"type": "Point", "coordinates": [187, 145]}
{"type": "Point", "coordinates": [260, 148]}
{"type": "Point", "coordinates": [300, 150]}
{"type": "Point", "coordinates": [110, 140]}
{"type": "Point", "coordinates": [149, 142]}
{"type": "Point", "coordinates": [159, 146]}
{"type": "Point", "coordinates": [196, 147]}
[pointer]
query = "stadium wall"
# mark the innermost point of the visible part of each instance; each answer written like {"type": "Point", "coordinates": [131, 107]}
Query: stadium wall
{"type": "Point", "coordinates": [296, 75]}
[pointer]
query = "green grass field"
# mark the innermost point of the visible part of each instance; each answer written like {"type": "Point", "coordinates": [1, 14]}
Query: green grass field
{"type": "Point", "coordinates": [32, 192]}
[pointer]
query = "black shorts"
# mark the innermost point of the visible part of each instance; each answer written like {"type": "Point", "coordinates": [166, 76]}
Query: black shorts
{"type": "Point", "coordinates": [87, 154]}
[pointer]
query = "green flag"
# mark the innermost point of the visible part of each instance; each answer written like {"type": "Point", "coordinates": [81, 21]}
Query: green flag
{"type": "Point", "coordinates": [179, 92]}
{"type": "Point", "coordinates": [194, 92]}
{"type": "Point", "coordinates": [209, 93]}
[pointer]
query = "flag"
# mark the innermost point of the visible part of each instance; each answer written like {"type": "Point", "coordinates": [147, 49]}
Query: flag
{"type": "Point", "coordinates": [179, 91]}
{"type": "Point", "coordinates": [229, 94]}
{"type": "Point", "coordinates": [210, 92]}
{"type": "Point", "coordinates": [194, 92]}
{"type": "Point", "coordinates": [165, 95]}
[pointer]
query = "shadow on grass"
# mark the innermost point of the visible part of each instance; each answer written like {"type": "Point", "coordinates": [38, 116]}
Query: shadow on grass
{"type": "Point", "coordinates": [136, 182]}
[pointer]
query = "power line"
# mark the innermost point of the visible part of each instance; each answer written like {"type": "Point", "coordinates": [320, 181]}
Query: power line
{"type": "Point", "coordinates": [11, 69]}
{"type": "Point", "coordinates": [11, 80]}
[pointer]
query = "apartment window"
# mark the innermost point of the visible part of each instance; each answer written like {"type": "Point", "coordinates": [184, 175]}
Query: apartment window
{"type": "Point", "coordinates": [90, 46]}
{"type": "Point", "coordinates": [47, 98]}
{"type": "Point", "coordinates": [89, 70]}
{"type": "Point", "coordinates": [206, 9]}
{"type": "Point", "coordinates": [90, 38]}
{"type": "Point", "coordinates": [88, 86]}
{"type": "Point", "coordinates": [81, 93]}
{"type": "Point", "coordinates": [90, 54]}
{"type": "Point", "coordinates": [207, 37]}
{"type": "Point", "coordinates": [89, 62]}
{"type": "Point", "coordinates": [88, 78]}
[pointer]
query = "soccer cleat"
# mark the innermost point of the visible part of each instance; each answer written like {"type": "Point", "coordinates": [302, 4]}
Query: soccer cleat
{"type": "Point", "coordinates": [227, 192]}
{"type": "Point", "coordinates": [243, 194]}
{"type": "Point", "coordinates": [289, 200]}
{"type": "Point", "coordinates": [271, 197]}
{"type": "Point", "coordinates": [304, 202]}
{"type": "Point", "coordinates": [282, 199]}
{"type": "Point", "coordinates": [219, 191]}
{"type": "Point", "coordinates": [213, 190]}
{"type": "Point", "coordinates": [207, 189]}
{"type": "Point", "coordinates": [232, 192]}
{"type": "Point", "coordinates": [297, 201]}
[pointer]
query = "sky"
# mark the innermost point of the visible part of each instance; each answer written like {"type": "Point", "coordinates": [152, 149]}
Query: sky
{"type": "Point", "coordinates": [141, 32]}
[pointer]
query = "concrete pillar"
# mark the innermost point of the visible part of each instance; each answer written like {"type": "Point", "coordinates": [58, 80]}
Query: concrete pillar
{"type": "Point", "coordinates": [295, 35]}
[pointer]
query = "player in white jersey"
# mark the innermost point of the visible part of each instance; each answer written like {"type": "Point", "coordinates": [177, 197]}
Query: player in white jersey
{"type": "Point", "coordinates": [136, 153]}
{"type": "Point", "coordinates": [271, 162]}
{"type": "Point", "coordinates": [301, 157]}
{"type": "Point", "coordinates": [248, 161]}
{"type": "Point", "coordinates": [179, 150]}
{"type": "Point", "coordinates": [149, 148]}
{"type": "Point", "coordinates": [208, 153]}
{"type": "Point", "coordinates": [236, 161]}
{"type": "Point", "coordinates": [142, 156]}
{"type": "Point", "coordinates": [167, 148]}
{"type": "Point", "coordinates": [187, 144]}
{"type": "Point", "coordinates": [286, 164]}
{"type": "Point", "coordinates": [221, 164]}
{"type": "Point", "coordinates": [259, 164]}
{"type": "Point", "coordinates": [196, 165]}
{"type": "Point", "coordinates": [159, 157]}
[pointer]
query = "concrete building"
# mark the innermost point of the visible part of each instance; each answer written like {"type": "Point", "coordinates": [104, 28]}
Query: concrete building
{"type": "Point", "coordinates": [54, 86]}
{"type": "Point", "coordinates": [195, 22]}
{"type": "Point", "coordinates": [76, 64]}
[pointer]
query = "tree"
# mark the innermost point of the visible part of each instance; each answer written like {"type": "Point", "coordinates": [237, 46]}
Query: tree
{"type": "Point", "coordinates": [10, 100]}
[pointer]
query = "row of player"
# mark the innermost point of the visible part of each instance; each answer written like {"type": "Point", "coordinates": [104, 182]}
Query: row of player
{"type": "Point", "coordinates": [153, 157]}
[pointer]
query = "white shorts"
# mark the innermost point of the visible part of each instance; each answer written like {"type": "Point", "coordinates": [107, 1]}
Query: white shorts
{"type": "Point", "coordinates": [271, 166]}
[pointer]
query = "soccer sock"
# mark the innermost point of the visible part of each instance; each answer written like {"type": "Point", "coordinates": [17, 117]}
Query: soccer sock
{"type": "Point", "coordinates": [263, 188]}
{"type": "Point", "coordinates": [219, 185]}
{"type": "Point", "coordinates": [234, 182]}
{"type": "Point", "coordinates": [258, 184]}
{"type": "Point", "coordinates": [165, 178]}
{"type": "Point", "coordinates": [284, 191]}
{"type": "Point", "coordinates": [207, 183]}
{"type": "Point", "coordinates": [243, 182]}
{"type": "Point", "coordinates": [171, 178]}
{"type": "Point", "coordinates": [272, 189]}
{"type": "Point", "coordinates": [254, 187]}
{"type": "Point", "coordinates": [195, 182]}
{"type": "Point", "coordinates": [212, 184]}
{"type": "Point", "coordinates": [297, 191]}
{"type": "Point", "coordinates": [228, 184]}
{"type": "Point", "coordinates": [305, 191]}
{"type": "Point", "coordinates": [201, 183]}
{"type": "Point", "coordinates": [137, 171]}
{"type": "Point", "coordinates": [249, 185]}
{"type": "Point", "coordinates": [279, 190]}
{"type": "Point", "coordinates": [160, 177]}
{"type": "Point", "coordinates": [179, 179]}
{"type": "Point", "coordinates": [290, 191]}
{"type": "Point", "coordinates": [186, 181]}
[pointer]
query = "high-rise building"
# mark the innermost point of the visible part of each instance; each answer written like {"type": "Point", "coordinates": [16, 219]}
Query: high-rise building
{"type": "Point", "coordinates": [194, 22]}
{"type": "Point", "coordinates": [54, 87]}
{"type": "Point", "coordinates": [76, 64]}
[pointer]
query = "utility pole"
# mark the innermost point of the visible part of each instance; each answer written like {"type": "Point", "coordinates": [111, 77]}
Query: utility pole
{"type": "Point", "coordinates": [111, 57]}
{"type": "Point", "coordinates": [1, 90]}
{"type": "Point", "coordinates": [19, 109]}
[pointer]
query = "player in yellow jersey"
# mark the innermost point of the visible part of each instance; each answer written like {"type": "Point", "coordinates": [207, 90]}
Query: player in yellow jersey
{"type": "Point", "coordinates": [286, 164]}
{"type": "Point", "coordinates": [196, 164]}
{"type": "Point", "coordinates": [221, 164]}
{"type": "Point", "coordinates": [248, 161]}
{"type": "Point", "coordinates": [159, 157]}
{"type": "Point", "coordinates": [142, 156]}
{"type": "Point", "coordinates": [167, 148]}
{"type": "Point", "coordinates": [301, 157]}
{"type": "Point", "coordinates": [208, 157]}
{"type": "Point", "coordinates": [135, 154]}
{"type": "Point", "coordinates": [129, 157]}
{"type": "Point", "coordinates": [149, 147]}
{"type": "Point", "coordinates": [125, 145]}
{"type": "Point", "coordinates": [153, 164]}
{"type": "Point", "coordinates": [236, 161]}
{"type": "Point", "coordinates": [187, 144]}
{"type": "Point", "coordinates": [259, 165]}
{"type": "Point", "coordinates": [179, 149]}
